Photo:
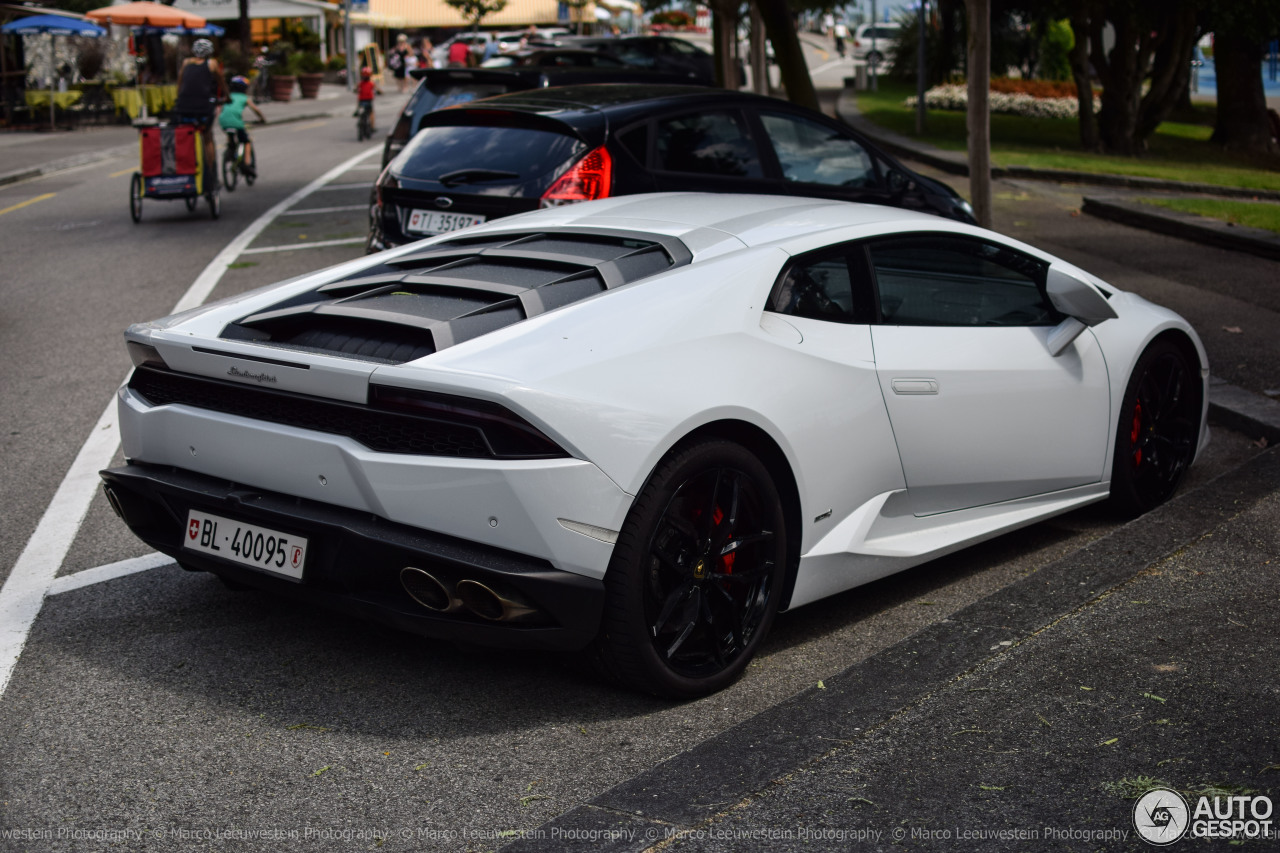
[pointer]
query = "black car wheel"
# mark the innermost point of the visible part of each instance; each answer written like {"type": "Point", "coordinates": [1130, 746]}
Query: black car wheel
{"type": "Point", "coordinates": [1159, 424]}
{"type": "Point", "coordinates": [696, 573]}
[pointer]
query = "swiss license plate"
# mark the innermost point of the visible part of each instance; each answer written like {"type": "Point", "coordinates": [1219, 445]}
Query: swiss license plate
{"type": "Point", "coordinates": [246, 544]}
{"type": "Point", "coordinates": [435, 222]}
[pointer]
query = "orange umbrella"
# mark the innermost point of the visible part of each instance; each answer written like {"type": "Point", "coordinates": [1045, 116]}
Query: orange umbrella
{"type": "Point", "coordinates": [144, 14]}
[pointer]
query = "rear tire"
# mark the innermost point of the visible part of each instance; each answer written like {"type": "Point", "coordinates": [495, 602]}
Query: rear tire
{"type": "Point", "coordinates": [230, 168]}
{"type": "Point", "coordinates": [1158, 430]}
{"type": "Point", "coordinates": [696, 575]}
{"type": "Point", "coordinates": [135, 197]}
{"type": "Point", "coordinates": [191, 202]}
{"type": "Point", "coordinates": [252, 175]}
{"type": "Point", "coordinates": [215, 204]}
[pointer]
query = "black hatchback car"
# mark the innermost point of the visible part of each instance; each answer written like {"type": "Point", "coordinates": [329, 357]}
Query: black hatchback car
{"type": "Point", "coordinates": [540, 148]}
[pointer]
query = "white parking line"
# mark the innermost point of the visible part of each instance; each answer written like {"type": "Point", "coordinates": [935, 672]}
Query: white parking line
{"type": "Point", "coordinates": [33, 575]}
{"type": "Point", "coordinates": [289, 247]}
{"type": "Point", "coordinates": [360, 186]}
{"type": "Point", "coordinates": [342, 208]}
{"type": "Point", "coordinates": [111, 571]}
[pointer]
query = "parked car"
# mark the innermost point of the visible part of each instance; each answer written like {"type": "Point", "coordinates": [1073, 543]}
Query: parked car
{"type": "Point", "coordinates": [527, 150]}
{"type": "Point", "coordinates": [657, 53]}
{"type": "Point", "coordinates": [475, 43]}
{"type": "Point", "coordinates": [645, 425]}
{"type": "Point", "coordinates": [555, 58]}
{"type": "Point", "coordinates": [444, 87]}
{"type": "Point", "coordinates": [883, 35]}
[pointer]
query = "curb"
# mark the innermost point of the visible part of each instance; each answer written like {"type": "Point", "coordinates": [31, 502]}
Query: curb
{"type": "Point", "coordinates": [85, 159]}
{"type": "Point", "coordinates": [1244, 411]}
{"type": "Point", "coordinates": [1188, 226]}
{"type": "Point", "coordinates": [957, 164]}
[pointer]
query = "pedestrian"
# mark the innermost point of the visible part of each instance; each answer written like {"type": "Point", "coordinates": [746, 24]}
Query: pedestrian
{"type": "Point", "coordinates": [410, 63]}
{"type": "Point", "coordinates": [199, 90]}
{"type": "Point", "coordinates": [459, 54]}
{"type": "Point", "coordinates": [424, 54]}
{"type": "Point", "coordinates": [490, 51]}
{"type": "Point", "coordinates": [397, 62]}
{"type": "Point", "coordinates": [840, 32]}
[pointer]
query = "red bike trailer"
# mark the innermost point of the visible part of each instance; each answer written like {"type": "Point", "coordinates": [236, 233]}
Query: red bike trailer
{"type": "Point", "coordinates": [172, 167]}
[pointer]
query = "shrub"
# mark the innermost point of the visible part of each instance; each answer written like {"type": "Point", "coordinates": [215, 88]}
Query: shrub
{"type": "Point", "coordinates": [1010, 101]}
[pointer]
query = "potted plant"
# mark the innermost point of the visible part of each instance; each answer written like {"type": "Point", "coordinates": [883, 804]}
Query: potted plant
{"type": "Point", "coordinates": [282, 74]}
{"type": "Point", "coordinates": [309, 68]}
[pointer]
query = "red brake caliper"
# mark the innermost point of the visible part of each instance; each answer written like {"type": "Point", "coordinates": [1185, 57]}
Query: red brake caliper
{"type": "Point", "coordinates": [1135, 431]}
{"type": "Point", "coordinates": [726, 561]}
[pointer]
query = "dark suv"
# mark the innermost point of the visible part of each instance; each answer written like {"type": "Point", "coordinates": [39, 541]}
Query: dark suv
{"type": "Point", "coordinates": [545, 147]}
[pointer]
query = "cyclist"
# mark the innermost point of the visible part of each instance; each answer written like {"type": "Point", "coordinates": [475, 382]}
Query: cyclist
{"type": "Point", "coordinates": [364, 95]}
{"type": "Point", "coordinates": [199, 85]}
{"type": "Point", "coordinates": [231, 119]}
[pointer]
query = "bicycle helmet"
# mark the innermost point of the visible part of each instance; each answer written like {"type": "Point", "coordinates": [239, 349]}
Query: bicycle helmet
{"type": "Point", "coordinates": [365, 73]}
{"type": "Point", "coordinates": [203, 48]}
{"type": "Point", "coordinates": [239, 83]}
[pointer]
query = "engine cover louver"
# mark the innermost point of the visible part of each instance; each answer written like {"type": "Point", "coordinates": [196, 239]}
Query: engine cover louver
{"type": "Point", "coordinates": [426, 301]}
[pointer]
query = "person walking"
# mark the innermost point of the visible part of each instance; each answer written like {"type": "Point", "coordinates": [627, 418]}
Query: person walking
{"type": "Point", "coordinates": [397, 61]}
{"type": "Point", "coordinates": [459, 54]}
{"type": "Point", "coordinates": [840, 32]}
{"type": "Point", "coordinates": [199, 91]}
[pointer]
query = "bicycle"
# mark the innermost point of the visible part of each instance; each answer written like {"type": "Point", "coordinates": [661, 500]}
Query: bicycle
{"type": "Point", "coordinates": [363, 130]}
{"type": "Point", "coordinates": [235, 164]}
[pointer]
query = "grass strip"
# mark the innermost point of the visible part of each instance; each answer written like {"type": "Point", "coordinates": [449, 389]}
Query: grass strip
{"type": "Point", "coordinates": [1252, 214]}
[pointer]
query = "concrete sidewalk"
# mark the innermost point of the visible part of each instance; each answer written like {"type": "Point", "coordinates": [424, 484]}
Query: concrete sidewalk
{"type": "Point", "coordinates": [31, 154]}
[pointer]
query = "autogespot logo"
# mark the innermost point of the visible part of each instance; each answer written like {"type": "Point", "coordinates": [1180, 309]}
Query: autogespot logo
{"type": "Point", "coordinates": [1160, 816]}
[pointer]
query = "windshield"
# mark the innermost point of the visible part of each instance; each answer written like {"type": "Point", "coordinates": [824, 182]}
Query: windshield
{"type": "Point", "coordinates": [527, 152]}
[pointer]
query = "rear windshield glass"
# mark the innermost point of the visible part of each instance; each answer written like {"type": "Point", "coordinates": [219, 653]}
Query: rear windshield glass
{"type": "Point", "coordinates": [528, 153]}
{"type": "Point", "coordinates": [445, 93]}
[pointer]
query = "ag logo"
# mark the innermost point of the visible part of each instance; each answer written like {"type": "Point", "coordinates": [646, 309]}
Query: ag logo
{"type": "Point", "coordinates": [1161, 816]}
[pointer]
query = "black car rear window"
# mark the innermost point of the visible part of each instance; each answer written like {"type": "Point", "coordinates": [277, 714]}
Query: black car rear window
{"type": "Point", "coordinates": [446, 93]}
{"type": "Point", "coordinates": [527, 152]}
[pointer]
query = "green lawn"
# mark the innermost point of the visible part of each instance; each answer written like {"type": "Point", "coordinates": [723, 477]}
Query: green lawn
{"type": "Point", "coordinates": [1252, 214]}
{"type": "Point", "coordinates": [1178, 151]}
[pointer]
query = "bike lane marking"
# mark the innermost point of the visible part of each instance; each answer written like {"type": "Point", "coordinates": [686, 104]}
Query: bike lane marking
{"type": "Point", "coordinates": [23, 204]}
{"type": "Point", "coordinates": [34, 574]}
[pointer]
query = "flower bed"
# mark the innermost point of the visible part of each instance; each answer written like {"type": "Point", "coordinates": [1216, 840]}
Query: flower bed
{"type": "Point", "coordinates": [1030, 98]}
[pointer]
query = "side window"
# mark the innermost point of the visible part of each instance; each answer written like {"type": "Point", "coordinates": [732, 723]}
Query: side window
{"type": "Point", "coordinates": [713, 143]}
{"type": "Point", "coordinates": [942, 280]}
{"type": "Point", "coordinates": [821, 287]}
{"type": "Point", "coordinates": [813, 153]}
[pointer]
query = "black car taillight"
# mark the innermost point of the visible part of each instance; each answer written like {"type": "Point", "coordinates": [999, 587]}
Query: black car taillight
{"type": "Point", "coordinates": [589, 179]}
{"type": "Point", "coordinates": [508, 435]}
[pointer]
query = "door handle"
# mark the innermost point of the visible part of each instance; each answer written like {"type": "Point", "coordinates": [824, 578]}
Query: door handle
{"type": "Point", "coordinates": [915, 386]}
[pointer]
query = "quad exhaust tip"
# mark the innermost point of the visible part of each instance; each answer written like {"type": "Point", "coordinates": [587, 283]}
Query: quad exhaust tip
{"type": "Point", "coordinates": [475, 597]}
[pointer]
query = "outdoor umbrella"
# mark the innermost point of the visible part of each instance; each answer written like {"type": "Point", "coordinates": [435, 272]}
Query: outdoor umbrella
{"type": "Point", "coordinates": [144, 14]}
{"type": "Point", "coordinates": [54, 25]}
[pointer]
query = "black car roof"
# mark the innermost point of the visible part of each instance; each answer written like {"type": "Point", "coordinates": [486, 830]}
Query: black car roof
{"type": "Point", "coordinates": [619, 102]}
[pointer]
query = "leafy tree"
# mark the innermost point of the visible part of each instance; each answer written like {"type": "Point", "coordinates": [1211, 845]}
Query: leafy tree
{"type": "Point", "coordinates": [475, 11]}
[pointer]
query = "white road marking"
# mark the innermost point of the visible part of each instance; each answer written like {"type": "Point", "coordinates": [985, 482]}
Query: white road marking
{"type": "Point", "coordinates": [361, 186]}
{"type": "Point", "coordinates": [111, 571]}
{"type": "Point", "coordinates": [342, 208]}
{"type": "Point", "coordinates": [34, 573]}
{"type": "Point", "coordinates": [319, 244]}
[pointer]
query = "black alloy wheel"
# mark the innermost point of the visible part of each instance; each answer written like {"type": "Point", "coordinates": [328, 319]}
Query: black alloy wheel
{"type": "Point", "coordinates": [696, 574]}
{"type": "Point", "coordinates": [135, 197]}
{"type": "Point", "coordinates": [1158, 430]}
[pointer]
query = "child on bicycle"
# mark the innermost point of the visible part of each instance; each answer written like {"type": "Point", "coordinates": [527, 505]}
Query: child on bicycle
{"type": "Point", "coordinates": [365, 92]}
{"type": "Point", "coordinates": [231, 118]}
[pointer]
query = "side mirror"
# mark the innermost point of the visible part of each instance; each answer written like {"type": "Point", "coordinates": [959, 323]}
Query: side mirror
{"type": "Point", "coordinates": [898, 181]}
{"type": "Point", "coordinates": [1076, 298]}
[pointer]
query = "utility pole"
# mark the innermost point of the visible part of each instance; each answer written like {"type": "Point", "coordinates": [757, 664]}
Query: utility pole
{"type": "Point", "coordinates": [979, 113]}
{"type": "Point", "coordinates": [353, 73]}
{"type": "Point", "coordinates": [920, 71]}
{"type": "Point", "coordinates": [872, 55]}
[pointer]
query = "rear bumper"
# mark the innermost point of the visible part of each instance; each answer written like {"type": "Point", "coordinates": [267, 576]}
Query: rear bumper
{"type": "Point", "coordinates": [354, 560]}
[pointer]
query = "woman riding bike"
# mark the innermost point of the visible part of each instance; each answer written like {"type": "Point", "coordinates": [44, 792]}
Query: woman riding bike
{"type": "Point", "coordinates": [232, 121]}
{"type": "Point", "coordinates": [199, 85]}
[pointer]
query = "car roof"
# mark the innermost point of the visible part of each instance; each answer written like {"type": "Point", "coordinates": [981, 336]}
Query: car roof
{"type": "Point", "coordinates": [710, 223]}
{"type": "Point", "coordinates": [618, 100]}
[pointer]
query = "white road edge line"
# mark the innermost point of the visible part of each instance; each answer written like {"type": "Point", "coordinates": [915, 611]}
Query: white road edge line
{"type": "Point", "coordinates": [33, 574]}
{"type": "Point", "coordinates": [291, 247]}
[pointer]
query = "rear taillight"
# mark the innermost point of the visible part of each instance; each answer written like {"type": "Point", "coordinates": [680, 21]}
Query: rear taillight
{"type": "Point", "coordinates": [507, 435]}
{"type": "Point", "coordinates": [589, 179]}
{"type": "Point", "coordinates": [387, 182]}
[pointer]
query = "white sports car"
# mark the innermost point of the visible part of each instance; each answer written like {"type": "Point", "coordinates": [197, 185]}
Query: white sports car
{"type": "Point", "coordinates": [645, 425]}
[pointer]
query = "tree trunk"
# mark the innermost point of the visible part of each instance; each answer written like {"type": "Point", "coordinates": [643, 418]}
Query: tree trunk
{"type": "Point", "coordinates": [246, 32]}
{"type": "Point", "coordinates": [724, 30]}
{"type": "Point", "coordinates": [781, 29]}
{"type": "Point", "coordinates": [1170, 70]}
{"type": "Point", "coordinates": [1081, 72]}
{"type": "Point", "coordinates": [1242, 122]}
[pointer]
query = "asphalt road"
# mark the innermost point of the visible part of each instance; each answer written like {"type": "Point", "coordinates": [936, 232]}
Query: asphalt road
{"type": "Point", "coordinates": [161, 711]}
